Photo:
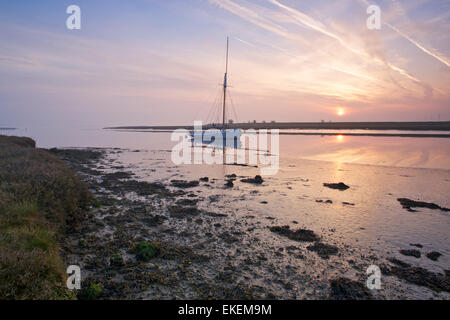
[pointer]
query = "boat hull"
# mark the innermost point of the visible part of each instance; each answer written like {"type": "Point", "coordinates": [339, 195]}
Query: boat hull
{"type": "Point", "coordinates": [230, 138]}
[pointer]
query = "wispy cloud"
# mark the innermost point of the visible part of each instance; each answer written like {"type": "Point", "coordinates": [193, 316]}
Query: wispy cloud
{"type": "Point", "coordinates": [250, 16]}
{"type": "Point", "coordinates": [318, 26]}
{"type": "Point", "coordinates": [304, 20]}
{"type": "Point", "coordinates": [418, 45]}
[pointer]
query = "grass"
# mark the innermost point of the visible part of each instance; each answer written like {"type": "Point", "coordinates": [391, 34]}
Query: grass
{"type": "Point", "coordinates": [39, 199]}
{"type": "Point", "coordinates": [93, 292]}
{"type": "Point", "coordinates": [145, 251]}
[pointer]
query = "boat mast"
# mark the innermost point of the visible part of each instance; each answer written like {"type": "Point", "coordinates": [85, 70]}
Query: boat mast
{"type": "Point", "coordinates": [225, 89]}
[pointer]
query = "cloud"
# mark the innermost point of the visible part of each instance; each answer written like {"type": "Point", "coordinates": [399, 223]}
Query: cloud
{"type": "Point", "coordinates": [371, 54]}
{"type": "Point", "coordinates": [316, 25]}
{"type": "Point", "coordinates": [250, 16]}
{"type": "Point", "coordinates": [418, 45]}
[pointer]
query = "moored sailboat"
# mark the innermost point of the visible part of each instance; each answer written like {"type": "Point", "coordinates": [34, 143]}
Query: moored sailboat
{"type": "Point", "coordinates": [230, 136]}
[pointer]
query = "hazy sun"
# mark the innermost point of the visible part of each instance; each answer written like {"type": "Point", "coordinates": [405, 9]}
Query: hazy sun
{"type": "Point", "coordinates": [340, 112]}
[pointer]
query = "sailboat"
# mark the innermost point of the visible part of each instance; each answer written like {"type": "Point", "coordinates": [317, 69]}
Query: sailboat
{"type": "Point", "coordinates": [230, 137]}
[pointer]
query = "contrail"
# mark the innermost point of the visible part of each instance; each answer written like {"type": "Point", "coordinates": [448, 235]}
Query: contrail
{"type": "Point", "coordinates": [418, 45]}
{"type": "Point", "coordinates": [244, 42]}
{"type": "Point", "coordinates": [305, 20]}
{"type": "Point", "coordinates": [315, 25]}
{"type": "Point", "coordinates": [250, 15]}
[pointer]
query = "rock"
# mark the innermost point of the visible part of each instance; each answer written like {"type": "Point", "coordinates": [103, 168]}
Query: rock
{"type": "Point", "coordinates": [214, 214]}
{"type": "Point", "coordinates": [231, 176]}
{"type": "Point", "coordinates": [153, 220]}
{"type": "Point", "coordinates": [144, 251]}
{"type": "Point", "coordinates": [418, 245]}
{"type": "Point", "coordinates": [186, 202]}
{"type": "Point", "coordinates": [324, 201]}
{"type": "Point", "coordinates": [214, 198]}
{"type": "Point", "coordinates": [323, 250]}
{"type": "Point", "coordinates": [297, 235]}
{"type": "Point", "coordinates": [204, 179]}
{"type": "Point", "coordinates": [183, 212]}
{"type": "Point", "coordinates": [256, 180]}
{"type": "Point", "coordinates": [411, 253]}
{"type": "Point", "coordinates": [229, 184]}
{"type": "Point", "coordinates": [184, 184]}
{"type": "Point", "coordinates": [228, 238]}
{"type": "Point", "coordinates": [418, 276]}
{"type": "Point", "coordinates": [338, 186]}
{"type": "Point", "coordinates": [434, 255]}
{"type": "Point", "coordinates": [399, 263]}
{"type": "Point", "coordinates": [409, 204]}
{"type": "Point", "coordinates": [346, 289]}
{"type": "Point", "coordinates": [348, 203]}
{"type": "Point", "coordinates": [142, 188]}
{"type": "Point", "coordinates": [116, 260]}
{"type": "Point", "coordinates": [119, 175]}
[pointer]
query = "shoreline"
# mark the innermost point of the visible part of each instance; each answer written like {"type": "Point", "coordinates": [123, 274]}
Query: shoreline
{"type": "Point", "coordinates": [170, 240]}
{"type": "Point", "coordinates": [400, 135]}
{"type": "Point", "coordinates": [412, 126]}
{"type": "Point", "coordinates": [207, 251]}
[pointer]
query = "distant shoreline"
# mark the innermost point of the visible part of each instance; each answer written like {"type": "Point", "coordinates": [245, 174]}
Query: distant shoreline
{"type": "Point", "coordinates": [412, 126]}
{"type": "Point", "coordinates": [403, 135]}
{"type": "Point", "coordinates": [394, 126]}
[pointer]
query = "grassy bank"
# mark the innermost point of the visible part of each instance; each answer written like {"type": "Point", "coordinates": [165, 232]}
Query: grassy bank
{"type": "Point", "coordinates": [39, 198]}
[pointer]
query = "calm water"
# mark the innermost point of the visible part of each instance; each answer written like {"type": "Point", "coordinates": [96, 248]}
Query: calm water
{"type": "Point", "coordinates": [378, 170]}
{"type": "Point", "coordinates": [385, 151]}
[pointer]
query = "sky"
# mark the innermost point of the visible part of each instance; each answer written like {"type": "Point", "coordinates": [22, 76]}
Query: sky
{"type": "Point", "coordinates": [150, 62]}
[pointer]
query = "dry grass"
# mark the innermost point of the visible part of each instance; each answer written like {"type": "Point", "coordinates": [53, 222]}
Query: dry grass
{"type": "Point", "coordinates": [39, 198]}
